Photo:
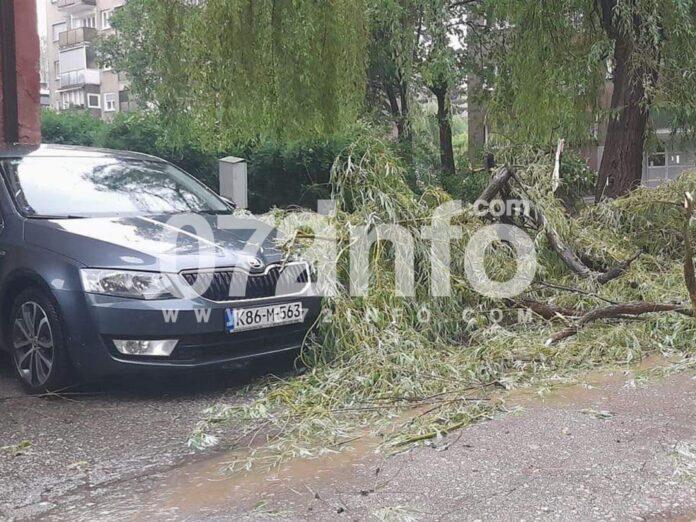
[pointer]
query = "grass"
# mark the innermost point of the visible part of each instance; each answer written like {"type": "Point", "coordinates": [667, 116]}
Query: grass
{"type": "Point", "coordinates": [400, 381]}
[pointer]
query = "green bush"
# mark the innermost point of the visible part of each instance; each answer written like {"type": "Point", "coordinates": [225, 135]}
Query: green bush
{"type": "Point", "coordinates": [70, 127]}
{"type": "Point", "coordinates": [143, 132]}
{"type": "Point", "coordinates": [292, 174]}
{"type": "Point", "coordinates": [280, 174]}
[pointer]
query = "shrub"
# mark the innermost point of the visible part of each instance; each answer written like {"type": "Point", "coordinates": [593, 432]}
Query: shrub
{"type": "Point", "coordinates": [291, 174]}
{"type": "Point", "coordinates": [143, 132]}
{"type": "Point", "coordinates": [70, 127]}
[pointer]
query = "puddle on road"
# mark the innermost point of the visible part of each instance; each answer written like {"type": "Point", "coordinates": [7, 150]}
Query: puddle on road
{"type": "Point", "coordinates": [585, 388]}
{"type": "Point", "coordinates": [205, 488]}
{"type": "Point", "coordinates": [207, 483]}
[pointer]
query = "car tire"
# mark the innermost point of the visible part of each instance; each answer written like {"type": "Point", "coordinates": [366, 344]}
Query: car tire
{"type": "Point", "coordinates": [36, 340]}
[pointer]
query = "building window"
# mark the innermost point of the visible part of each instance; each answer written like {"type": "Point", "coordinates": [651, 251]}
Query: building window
{"type": "Point", "coordinates": [87, 21]}
{"type": "Point", "coordinates": [59, 28]}
{"type": "Point", "coordinates": [93, 101]}
{"type": "Point", "coordinates": [73, 59]}
{"type": "Point", "coordinates": [110, 102]}
{"type": "Point", "coordinates": [56, 69]}
{"type": "Point", "coordinates": [658, 158]}
{"type": "Point", "coordinates": [72, 99]}
{"type": "Point", "coordinates": [106, 18]}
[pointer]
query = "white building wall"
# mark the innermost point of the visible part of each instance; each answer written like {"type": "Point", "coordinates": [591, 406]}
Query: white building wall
{"type": "Point", "coordinates": [74, 80]}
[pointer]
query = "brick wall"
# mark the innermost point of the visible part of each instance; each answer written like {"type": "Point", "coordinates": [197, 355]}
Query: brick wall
{"type": "Point", "coordinates": [19, 72]}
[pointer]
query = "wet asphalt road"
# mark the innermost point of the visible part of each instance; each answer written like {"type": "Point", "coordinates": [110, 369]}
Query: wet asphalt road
{"type": "Point", "coordinates": [601, 450]}
{"type": "Point", "coordinates": [102, 434]}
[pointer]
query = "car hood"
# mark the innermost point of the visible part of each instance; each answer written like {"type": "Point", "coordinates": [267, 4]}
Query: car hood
{"type": "Point", "coordinates": [166, 243]}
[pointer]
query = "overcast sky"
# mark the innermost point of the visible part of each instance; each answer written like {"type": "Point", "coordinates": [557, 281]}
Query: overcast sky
{"type": "Point", "coordinates": [41, 12]}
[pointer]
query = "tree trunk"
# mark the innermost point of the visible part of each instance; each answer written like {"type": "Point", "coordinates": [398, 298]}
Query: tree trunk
{"type": "Point", "coordinates": [406, 137]}
{"type": "Point", "coordinates": [445, 125]}
{"type": "Point", "coordinates": [394, 108]}
{"type": "Point", "coordinates": [477, 121]}
{"type": "Point", "coordinates": [622, 162]}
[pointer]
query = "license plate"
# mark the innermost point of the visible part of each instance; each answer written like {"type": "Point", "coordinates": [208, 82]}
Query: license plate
{"type": "Point", "coordinates": [240, 319]}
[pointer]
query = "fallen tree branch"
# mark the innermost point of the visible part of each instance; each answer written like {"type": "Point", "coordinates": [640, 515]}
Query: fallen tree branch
{"type": "Point", "coordinates": [556, 180]}
{"type": "Point", "coordinates": [618, 270]}
{"type": "Point", "coordinates": [501, 181]}
{"type": "Point", "coordinates": [616, 311]}
{"type": "Point", "coordinates": [497, 183]}
{"type": "Point", "coordinates": [574, 290]}
{"type": "Point", "coordinates": [689, 270]}
{"type": "Point", "coordinates": [566, 253]}
{"type": "Point", "coordinates": [545, 310]}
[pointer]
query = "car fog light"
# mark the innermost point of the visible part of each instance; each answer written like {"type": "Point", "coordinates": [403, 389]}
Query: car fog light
{"type": "Point", "coordinates": [149, 348]}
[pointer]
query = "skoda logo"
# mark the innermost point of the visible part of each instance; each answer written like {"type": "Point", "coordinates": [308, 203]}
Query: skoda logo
{"type": "Point", "coordinates": [255, 263]}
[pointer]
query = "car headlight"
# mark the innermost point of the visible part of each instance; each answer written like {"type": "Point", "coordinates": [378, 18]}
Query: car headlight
{"type": "Point", "coordinates": [127, 283]}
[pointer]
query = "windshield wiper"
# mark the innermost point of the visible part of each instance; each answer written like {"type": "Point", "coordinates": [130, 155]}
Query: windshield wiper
{"type": "Point", "coordinates": [68, 216]}
{"type": "Point", "coordinates": [216, 212]}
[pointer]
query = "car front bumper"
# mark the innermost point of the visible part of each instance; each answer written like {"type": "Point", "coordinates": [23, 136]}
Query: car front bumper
{"type": "Point", "coordinates": [94, 321]}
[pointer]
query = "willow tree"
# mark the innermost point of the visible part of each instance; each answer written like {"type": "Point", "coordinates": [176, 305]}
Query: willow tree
{"type": "Point", "coordinates": [441, 65]}
{"type": "Point", "coordinates": [553, 58]}
{"type": "Point", "coordinates": [238, 69]}
{"type": "Point", "coordinates": [414, 46]}
{"type": "Point", "coordinates": [394, 36]}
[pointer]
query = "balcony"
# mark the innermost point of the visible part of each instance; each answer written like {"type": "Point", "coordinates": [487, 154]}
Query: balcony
{"type": "Point", "coordinates": [76, 37]}
{"type": "Point", "coordinates": [76, 6]}
{"type": "Point", "coordinates": [79, 78]}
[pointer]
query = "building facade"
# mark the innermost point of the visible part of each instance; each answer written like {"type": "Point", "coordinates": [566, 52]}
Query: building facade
{"type": "Point", "coordinates": [75, 80]}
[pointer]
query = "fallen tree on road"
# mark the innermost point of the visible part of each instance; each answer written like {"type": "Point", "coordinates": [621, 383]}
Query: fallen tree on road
{"type": "Point", "coordinates": [375, 368]}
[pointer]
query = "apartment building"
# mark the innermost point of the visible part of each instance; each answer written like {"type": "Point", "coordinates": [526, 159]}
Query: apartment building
{"type": "Point", "coordinates": [75, 80]}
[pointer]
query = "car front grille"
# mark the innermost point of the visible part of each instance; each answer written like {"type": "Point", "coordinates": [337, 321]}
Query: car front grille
{"type": "Point", "coordinates": [277, 280]}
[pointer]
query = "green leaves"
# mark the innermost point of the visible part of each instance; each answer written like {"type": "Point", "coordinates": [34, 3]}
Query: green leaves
{"type": "Point", "coordinates": [17, 450]}
{"type": "Point", "coordinates": [553, 59]}
{"type": "Point", "coordinates": [237, 70]}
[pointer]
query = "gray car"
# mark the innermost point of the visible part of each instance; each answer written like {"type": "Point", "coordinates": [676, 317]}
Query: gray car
{"type": "Point", "coordinates": [116, 262]}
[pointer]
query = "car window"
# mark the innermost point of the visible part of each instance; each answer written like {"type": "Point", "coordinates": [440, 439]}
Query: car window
{"type": "Point", "coordinates": [93, 187]}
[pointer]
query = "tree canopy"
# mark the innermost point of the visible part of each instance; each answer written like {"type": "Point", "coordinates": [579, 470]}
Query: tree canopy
{"type": "Point", "coordinates": [549, 62]}
{"type": "Point", "coordinates": [241, 69]}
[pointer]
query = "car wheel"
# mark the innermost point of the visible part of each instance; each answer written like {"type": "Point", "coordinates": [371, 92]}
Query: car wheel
{"type": "Point", "coordinates": [37, 344]}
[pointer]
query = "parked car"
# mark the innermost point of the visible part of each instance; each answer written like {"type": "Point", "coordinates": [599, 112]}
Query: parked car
{"type": "Point", "coordinates": [88, 244]}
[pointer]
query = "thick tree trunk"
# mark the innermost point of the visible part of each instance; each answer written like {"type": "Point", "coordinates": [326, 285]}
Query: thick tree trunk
{"type": "Point", "coordinates": [622, 162]}
{"type": "Point", "coordinates": [445, 125]}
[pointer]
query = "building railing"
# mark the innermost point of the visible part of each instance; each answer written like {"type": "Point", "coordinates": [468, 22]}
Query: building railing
{"type": "Point", "coordinates": [75, 5]}
{"type": "Point", "coordinates": [79, 78]}
{"type": "Point", "coordinates": [76, 36]}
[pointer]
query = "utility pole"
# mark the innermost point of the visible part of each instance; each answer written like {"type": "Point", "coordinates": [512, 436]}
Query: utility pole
{"type": "Point", "coordinates": [19, 73]}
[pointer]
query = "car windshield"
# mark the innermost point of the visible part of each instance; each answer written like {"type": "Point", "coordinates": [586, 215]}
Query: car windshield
{"type": "Point", "coordinates": [105, 186]}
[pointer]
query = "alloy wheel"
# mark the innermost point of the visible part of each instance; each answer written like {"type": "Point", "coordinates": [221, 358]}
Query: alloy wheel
{"type": "Point", "coordinates": [32, 340]}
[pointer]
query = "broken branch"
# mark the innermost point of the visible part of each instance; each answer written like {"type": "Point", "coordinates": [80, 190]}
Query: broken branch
{"type": "Point", "coordinates": [501, 181]}
{"type": "Point", "coordinates": [614, 312]}
{"type": "Point", "coordinates": [497, 183]}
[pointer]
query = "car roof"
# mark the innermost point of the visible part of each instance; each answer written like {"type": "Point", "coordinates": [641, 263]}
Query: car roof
{"type": "Point", "coordinates": [68, 151]}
